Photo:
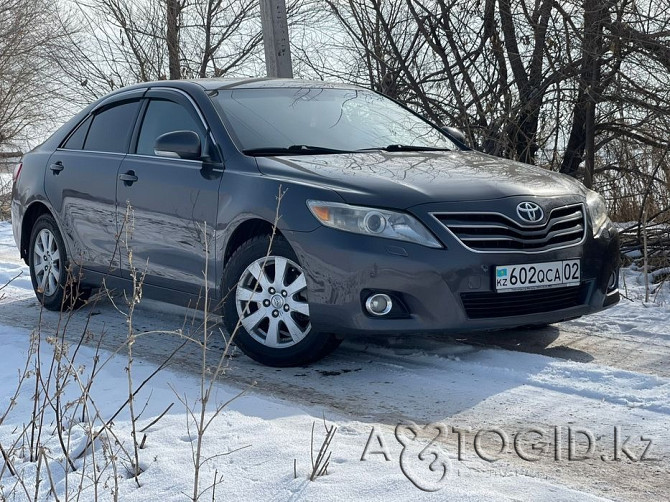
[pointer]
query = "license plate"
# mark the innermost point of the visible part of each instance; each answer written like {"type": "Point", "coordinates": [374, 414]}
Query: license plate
{"type": "Point", "coordinates": [552, 274]}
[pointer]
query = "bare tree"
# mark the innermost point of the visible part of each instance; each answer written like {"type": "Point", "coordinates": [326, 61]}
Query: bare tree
{"type": "Point", "coordinates": [29, 31]}
{"type": "Point", "coordinates": [580, 86]}
{"type": "Point", "coordinates": [120, 42]}
{"type": "Point", "coordinates": [484, 71]}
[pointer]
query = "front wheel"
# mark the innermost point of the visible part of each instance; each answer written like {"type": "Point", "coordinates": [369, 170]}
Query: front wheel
{"type": "Point", "coordinates": [266, 306]}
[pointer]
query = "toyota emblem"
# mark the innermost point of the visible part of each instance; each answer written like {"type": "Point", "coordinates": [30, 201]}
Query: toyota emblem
{"type": "Point", "coordinates": [529, 211]}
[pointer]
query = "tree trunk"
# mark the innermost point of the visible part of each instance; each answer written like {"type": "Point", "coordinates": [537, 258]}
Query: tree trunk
{"type": "Point", "coordinates": [172, 38]}
{"type": "Point", "coordinates": [522, 128]}
{"type": "Point", "coordinates": [581, 143]}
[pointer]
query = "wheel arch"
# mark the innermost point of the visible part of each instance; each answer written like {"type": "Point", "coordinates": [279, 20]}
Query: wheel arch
{"type": "Point", "coordinates": [246, 230]}
{"type": "Point", "coordinates": [34, 211]}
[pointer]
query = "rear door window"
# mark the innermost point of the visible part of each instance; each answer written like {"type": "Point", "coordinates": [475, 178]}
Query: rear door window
{"type": "Point", "coordinates": [111, 128]}
{"type": "Point", "coordinates": [77, 138]}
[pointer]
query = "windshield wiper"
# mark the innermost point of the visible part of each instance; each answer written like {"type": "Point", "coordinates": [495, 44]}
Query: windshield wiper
{"type": "Point", "coordinates": [408, 148]}
{"type": "Point", "coordinates": [292, 150]}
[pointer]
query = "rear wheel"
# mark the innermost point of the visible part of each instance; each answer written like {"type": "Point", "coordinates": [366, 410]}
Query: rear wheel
{"type": "Point", "coordinates": [267, 305]}
{"type": "Point", "coordinates": [47, 260]}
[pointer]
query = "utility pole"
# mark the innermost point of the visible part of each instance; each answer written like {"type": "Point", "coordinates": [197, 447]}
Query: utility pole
{"type": "Point", "coordinates": [275, 39]}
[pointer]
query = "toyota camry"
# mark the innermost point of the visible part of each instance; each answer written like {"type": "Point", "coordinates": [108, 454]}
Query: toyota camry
{"type": "Point", "coordinates": [317, 211]}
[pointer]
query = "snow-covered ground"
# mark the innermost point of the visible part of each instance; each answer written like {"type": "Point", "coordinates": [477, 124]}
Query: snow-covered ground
{"type": "Point", "coordinates": [541, 396]}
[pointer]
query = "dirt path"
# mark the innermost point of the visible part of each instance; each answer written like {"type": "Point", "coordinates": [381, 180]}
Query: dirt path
{"type": "Point", "coordinates": [381, 382]}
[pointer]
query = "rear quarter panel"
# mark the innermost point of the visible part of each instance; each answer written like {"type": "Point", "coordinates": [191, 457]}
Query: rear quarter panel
{"type": "Point", "coordinates": [28, 190]}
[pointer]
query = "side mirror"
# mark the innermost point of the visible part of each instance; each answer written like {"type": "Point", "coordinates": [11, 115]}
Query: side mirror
{"type": "Point", "coordinates": [179, 145]}
{"type": "Point", "coordinates": [455, 133]}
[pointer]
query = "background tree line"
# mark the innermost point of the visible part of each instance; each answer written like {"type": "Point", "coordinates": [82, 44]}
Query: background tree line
{"type": "Point", "coordinates": [577, 86]}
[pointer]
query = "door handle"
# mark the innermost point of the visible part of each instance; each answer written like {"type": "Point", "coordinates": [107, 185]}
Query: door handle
{"type": "Point", "coordinates": [57, 167]}
{"type": "Point", "coordinates": [128, 178]}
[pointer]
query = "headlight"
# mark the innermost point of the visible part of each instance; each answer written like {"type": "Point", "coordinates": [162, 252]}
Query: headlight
{"type": "Point", "coordinates": [597, 210]}
{"type": "Point", "coordinates": [368, 221]}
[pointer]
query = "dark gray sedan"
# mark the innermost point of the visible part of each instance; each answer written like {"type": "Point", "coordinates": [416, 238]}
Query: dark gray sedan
{"type": "Point", "coordinates": [384, 223]}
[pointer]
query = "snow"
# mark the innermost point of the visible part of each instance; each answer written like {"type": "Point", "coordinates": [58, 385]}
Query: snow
{"type": "Point", "coordinates": [267, 434]}
{"type": "Point", "coordinates": [584, 377]}
{"type": "Point", "coordinates": [5, 182]}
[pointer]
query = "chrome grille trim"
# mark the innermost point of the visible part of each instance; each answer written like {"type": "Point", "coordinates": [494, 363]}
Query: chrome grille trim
{"type": "Point", "coordinates": [494, 232]}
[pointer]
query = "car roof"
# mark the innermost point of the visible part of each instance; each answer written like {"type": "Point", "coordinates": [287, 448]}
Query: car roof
{"type": "Point", "coordinates": [210, 84]}
{"type": "Point", "coordinates": [228, 83]}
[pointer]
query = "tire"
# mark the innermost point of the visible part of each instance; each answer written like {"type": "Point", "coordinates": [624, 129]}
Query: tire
{"type": "Point", "coordinates": [275, 329]}
{"type": "Point", "coordinates": [48, 263]}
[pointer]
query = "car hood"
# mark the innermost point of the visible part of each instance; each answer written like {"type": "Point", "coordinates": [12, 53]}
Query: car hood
{"type": "Point", "coordinates": [405, 179]}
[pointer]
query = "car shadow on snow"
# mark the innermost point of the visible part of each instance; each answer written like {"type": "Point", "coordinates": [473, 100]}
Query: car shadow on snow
{"type": "Point", "coordinates": [543, 340]}
{"type": "Point", "coordinates": [372, 379]}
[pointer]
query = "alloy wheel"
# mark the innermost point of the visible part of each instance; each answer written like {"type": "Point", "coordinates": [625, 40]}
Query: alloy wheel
{"type": "Point", "coordinates": [271, 301]}
{"type": "Point", "coordinates": [47, 262]}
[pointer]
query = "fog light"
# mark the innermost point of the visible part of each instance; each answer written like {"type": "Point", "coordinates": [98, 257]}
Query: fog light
{"type": "Point", "coordinates": [379, 304]}
{"type": "Point", "coordinates": [611, 284]}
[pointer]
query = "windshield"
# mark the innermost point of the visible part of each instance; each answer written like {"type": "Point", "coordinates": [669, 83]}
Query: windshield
{"type": "Point", "coordinates": [290, 120]}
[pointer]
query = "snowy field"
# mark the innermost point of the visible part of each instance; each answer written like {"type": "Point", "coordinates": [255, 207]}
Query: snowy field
{"type": "Point", "coordinates": [577, 411]}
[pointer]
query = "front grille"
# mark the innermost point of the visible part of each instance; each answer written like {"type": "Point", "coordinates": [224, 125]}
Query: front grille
{"type": "Point", "coordinates": [482, 305]}
{"type": "Point", "coordinates": [495, 232]}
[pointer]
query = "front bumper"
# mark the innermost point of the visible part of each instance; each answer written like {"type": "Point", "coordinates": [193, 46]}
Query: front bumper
{"type": "Point", "coordinates": [341, 267]}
